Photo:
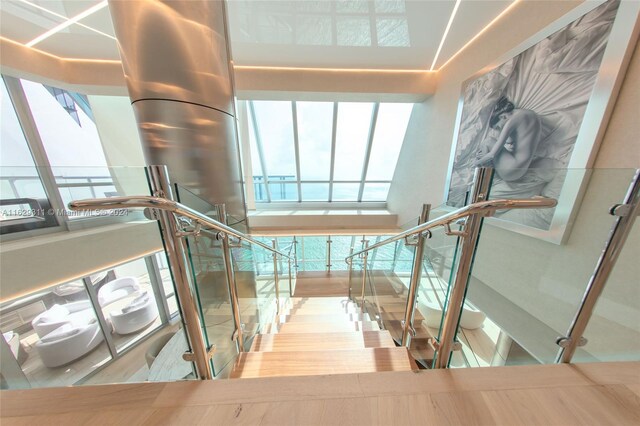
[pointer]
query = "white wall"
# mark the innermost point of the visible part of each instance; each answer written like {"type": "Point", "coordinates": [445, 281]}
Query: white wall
{"type": "Point", "coordinates": [542, 280]}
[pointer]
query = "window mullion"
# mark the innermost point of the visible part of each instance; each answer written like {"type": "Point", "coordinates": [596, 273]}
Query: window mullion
{"type": "Point", "coordinates": [333, 149]}
{"type": "Point", "coordinates": [34, 141]}
{"type": "Point", "coordinates": [263, 164]}
{"type": "Point", "coordinates": [296, 147]}
{"type": "Point", "coordinates": [367, 155]}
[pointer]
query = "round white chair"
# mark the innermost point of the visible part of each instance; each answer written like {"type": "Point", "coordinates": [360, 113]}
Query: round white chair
{"type": "Point", "coordinates": [138, 314]}
{"type": "Point", "coordinates": [117, 289]}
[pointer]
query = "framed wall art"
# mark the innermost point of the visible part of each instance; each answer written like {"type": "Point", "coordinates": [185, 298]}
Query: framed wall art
{"type": "Point", "coordinates": [538, 116]}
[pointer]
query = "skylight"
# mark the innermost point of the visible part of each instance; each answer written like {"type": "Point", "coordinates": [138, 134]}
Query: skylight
{"type": "Point", "coordinates": [325, 151]}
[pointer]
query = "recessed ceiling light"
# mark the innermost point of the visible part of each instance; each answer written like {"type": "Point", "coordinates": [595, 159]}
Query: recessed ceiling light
{"type": "Point", "coordinates": [446, 32]}
{"type": "Point", "coordinates": [44, 9]}
{"type": "Point", "coordinates": [65, 24]}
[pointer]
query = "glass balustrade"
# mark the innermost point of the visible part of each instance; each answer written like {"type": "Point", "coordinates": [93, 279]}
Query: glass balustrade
{"type": "Point", "coordinates": [531, 270]}
{"type": "Point", "coordinates": [256, 281]}
{"type": "Point", "coordinates": [92, 301]}
{"type": "Point", "coordinates": [207, 264]}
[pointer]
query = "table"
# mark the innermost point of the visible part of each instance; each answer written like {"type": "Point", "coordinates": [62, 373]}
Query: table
{"type": "Point", "coordinates": [169, 365]}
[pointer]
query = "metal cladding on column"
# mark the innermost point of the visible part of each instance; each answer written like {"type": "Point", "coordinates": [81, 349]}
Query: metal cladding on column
{"type": "Point", "coordinates": [177, 67]}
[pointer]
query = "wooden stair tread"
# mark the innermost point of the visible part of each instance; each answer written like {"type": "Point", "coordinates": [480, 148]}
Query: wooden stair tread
{"type": "Point", "coordinates": [331, 317]}
{"type": "Point", "coordinates": [399, 316]}
{"type": "Point", "coordinates": [315, 310]}
{"type": "Point", "coordinates": [323, 327]}
{"type": "Point", "coordinates": [321, 341]}
{"type": "Point", "coordinates": [310, 363]}
{"type": "Point", "coordinates": [395, 328]}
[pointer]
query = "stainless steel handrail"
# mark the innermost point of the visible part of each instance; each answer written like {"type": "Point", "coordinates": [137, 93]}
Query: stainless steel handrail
{"type": "Point", "coordinates": [483, 208]}
{"type": "Point", "coordinates": [145, 201]}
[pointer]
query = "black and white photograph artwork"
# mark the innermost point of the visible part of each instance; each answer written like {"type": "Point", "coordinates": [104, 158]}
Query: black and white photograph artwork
{"type": "Point", "coordinates": [523, 117]}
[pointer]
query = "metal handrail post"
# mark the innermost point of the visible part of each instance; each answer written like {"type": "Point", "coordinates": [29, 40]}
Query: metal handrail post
{"type": "Point", "coordinates": [231, 279]}
{"type": "Point", "coordinates": [275, 276]}
{"type": "Point", "coordinates": [350, 271]}
{"type": "Point", "coordinates": [416, 273]}
{"type": "Point", "coordinates": [176, 252]}
{"type": "Point", "coordinates": [365, 244]}
{"type": "Point", "coordinates": [469, 240]}
{"type": "Point", "coordinates": [329, 253]}
{"type": "Point", "coordinates": [626, 214]}
{"type": "Point", "coordinates": [290, 281]}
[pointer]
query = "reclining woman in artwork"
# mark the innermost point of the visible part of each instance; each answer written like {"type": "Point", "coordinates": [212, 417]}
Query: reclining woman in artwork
{"type": "Point", "coordinates": [513, 150]}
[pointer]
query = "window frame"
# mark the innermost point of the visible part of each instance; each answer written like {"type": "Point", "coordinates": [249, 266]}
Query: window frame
{"type": "Point", "coordinates": [250, 120]}
{"type": "Point", "coordinates": [52, 188]}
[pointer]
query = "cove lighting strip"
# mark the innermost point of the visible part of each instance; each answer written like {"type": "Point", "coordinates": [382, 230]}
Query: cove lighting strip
{"type": "Point", "coordinates": [489, 25]}
{"type": "Point", "coordinates": [446, 32]}
{"type": "Point", "coordinates": [67, 23]}
{"type": "Point", "coordinates": [44, 9]}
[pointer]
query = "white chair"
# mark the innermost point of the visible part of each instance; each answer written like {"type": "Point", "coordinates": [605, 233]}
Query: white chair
{"type": "Point", "coordinates": [68, 343]}
{"type": "Point", "coordinates": [138, 314]}
{"type": "Point", "coordinates": [59, 315]}
{"type": "Point", "coordinates": [67, 332]}
{"type": "Point", "coordinates": [117, 289]}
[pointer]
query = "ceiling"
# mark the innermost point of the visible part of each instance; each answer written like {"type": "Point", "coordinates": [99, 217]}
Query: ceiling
{"type": "Point", "coordinates": [371, 34]}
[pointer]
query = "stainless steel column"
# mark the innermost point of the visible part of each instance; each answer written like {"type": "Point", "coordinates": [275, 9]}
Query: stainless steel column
{"type": "Point", "coordinates": [231, 279]}
{"type": "Point", "coordinates": [626, 215]}
{"type": "Point", "coordinates": [479, 192]}
{"type": "Point", "coordinates": [176, 252]}
{"type": "Point", "coordinates": [176, 62]}
{"type": "Point", "coordinates": [416, 273]}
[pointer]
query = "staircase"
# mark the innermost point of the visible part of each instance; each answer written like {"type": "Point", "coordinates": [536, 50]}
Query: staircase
{"type": "Point", "coordinates": [321, 334]}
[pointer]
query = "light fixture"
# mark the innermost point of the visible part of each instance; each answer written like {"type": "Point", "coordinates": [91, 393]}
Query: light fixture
{"type": "Point", "coordinates": [93, 9]}
{"type": "Point", "coordinates": [44, 9]}
{"type": "Point", "coordinates": [357, 70]}
{"type": "Point", "coordinates": [446, 32]}
{"type": "Point", "coordinates": [489, 25]}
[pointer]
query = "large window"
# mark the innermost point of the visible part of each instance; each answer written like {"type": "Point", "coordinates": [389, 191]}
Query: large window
{"type": "Point", "coordinates": [50, 154]}
{"type": "Point", "coordinates": [325, 151]}
{"type": "Point", "coordinates": [71, 141]}
{"type": "Point", "coordinates": [23, 198]}
{"type": "Point", "coordinates": [61, 335]}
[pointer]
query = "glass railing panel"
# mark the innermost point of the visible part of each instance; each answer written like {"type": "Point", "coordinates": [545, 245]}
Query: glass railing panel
{"type": "Point", "coordinates": [613, 332]}
{"type": "Point", "coordinates": [108, 316]}
{"type": "Point", "coordinates": [312, 253]}
{"type": "Point", "coordinates": [385, 291]}
{"type": "Point", "coordinates": [340, 246]}
{"type": "Point", "coordinates": [254, 271]}
{"type": "Point", "coordinates": [205, 256]}
{"type": "Point", "coordinates": [354, 276]}
{"type": "Point", "coordinates": [532, 266]}
{"type": "Point", "coordinates": [439, 259]}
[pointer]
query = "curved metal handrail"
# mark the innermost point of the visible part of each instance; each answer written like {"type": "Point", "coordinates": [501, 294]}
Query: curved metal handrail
{"type": "Point", "coordinates": [484, 208]}
{"type": "Point", "coordinates": [145, 201]}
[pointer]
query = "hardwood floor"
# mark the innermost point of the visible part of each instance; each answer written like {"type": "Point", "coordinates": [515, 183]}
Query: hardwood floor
{"type": "Point", "coordinates": [565, 394]}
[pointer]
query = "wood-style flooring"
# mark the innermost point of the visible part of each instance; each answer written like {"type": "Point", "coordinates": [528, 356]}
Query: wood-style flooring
{"type": "Point", "coordinates": [580, 394]}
